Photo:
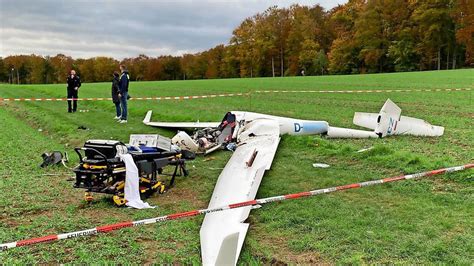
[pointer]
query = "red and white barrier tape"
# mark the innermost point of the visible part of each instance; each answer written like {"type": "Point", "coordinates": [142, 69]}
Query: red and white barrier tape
{"type": "Point", "coordinates": [362, 91]}
{"type": "Point", "coordinates": [161, 98]}
{"type": "Point", "coordinates": [112, 227]}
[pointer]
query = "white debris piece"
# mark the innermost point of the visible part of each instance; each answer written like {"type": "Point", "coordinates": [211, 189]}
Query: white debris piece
{"type": "Point", "coordinates": [365, 149]}
{"type": "Point", "coordinates": [320, 165]}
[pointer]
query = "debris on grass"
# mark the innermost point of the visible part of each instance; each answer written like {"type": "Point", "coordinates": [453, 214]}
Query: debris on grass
{"type": "Point", "coordinates": [320, 165]}
{"type": "Point", "coordinates": [365, 149]}
{"type": "Point", "coordinates": [53, 158]}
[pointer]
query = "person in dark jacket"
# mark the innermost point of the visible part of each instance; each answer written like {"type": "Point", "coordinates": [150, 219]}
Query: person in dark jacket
{"type": "Point", "coordinates": [123, 93]}
{"type": "Point", "coordinates": [115, 95]}
{"type": "Point", "coordinates": [73, 85]}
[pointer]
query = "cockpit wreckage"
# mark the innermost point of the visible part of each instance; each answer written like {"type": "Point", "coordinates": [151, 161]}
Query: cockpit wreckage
{"type": "Point", "coordinates": [254, 138]}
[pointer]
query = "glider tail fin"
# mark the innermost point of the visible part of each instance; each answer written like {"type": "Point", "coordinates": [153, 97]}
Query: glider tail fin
{"type": "Point", "coordinates": [388, 119]}
{"type": "Point", "coordinates": [389, 122]}
{"type": "Point", "coordinates": [383, 123]}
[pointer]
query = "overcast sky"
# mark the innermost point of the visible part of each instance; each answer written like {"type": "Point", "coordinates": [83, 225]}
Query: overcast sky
{"type": "Point", "coordinates": [118, 28]}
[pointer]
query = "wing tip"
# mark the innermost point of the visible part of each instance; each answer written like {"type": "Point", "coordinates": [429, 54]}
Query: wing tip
{"type": "Point", "coordinates": [222, 248]}
{"type": "Point", "coordinates": [439, 131]}
{"type": "Point", "coordinates": [147, 118]}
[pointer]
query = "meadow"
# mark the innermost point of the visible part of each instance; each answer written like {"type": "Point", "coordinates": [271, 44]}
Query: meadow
{"type": "Point", "coordinates": [412, 222]}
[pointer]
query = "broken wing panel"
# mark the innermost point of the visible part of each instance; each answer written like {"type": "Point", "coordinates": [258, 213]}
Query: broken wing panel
{"type": "Point", "coordinates": [417, 127]}
{"type": "Point", "coordinates": [406, 126]}
{"type": "Point", "coordinates": [223, 233]}
{"type": "Point", "coordinates": [183, 125]}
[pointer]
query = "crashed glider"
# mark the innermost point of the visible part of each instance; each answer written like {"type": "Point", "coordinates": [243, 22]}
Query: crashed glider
{"type": "Point", "coordinates": [254, 138]}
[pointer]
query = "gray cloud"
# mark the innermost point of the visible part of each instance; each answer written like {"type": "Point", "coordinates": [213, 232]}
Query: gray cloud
{"type": "Point", "coordinates": [87, 28]}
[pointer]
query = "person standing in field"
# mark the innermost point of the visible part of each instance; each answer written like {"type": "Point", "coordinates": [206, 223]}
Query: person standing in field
{"type": "Point", "coordinates": [115, 95]}
{"type": "Point", "coordinates": [123, 93]}
{"type": "Point", "coordinates": [73, 85]}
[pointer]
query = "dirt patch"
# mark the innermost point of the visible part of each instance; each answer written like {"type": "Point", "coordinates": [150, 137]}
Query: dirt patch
{"type": "Point", "coordinates": [305, 259]}
{"type": "Point", "coordinates": [178, 195]}
{"type": "Point", "coordinates": [9, 222]}
{"type": "Point", "coordinates": [284, 256]}
{"type": "Point", "coordinates": [455, 231]}
{"type": "Point", "coordinates": [460, 143]}
{"type": "Point", "coordinates": [446, 187]}
{"type": "Point", "coordinates": [154, 250]}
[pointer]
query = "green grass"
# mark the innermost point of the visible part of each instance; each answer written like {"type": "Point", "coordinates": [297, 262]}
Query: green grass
{"type": "Point", "coordinates": [413, 222]}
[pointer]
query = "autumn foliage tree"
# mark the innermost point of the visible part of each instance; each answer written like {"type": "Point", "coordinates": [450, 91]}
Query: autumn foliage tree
{"type": "Point", "coordinates": [464, 18]}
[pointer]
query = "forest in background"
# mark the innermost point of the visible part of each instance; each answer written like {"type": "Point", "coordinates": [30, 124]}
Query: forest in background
{"type": "Point", "coordinates": [361, 36]}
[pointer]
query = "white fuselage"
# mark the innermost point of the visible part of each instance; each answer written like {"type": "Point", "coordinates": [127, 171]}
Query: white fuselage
{"type": "Point", "coordinates": [287, 125]}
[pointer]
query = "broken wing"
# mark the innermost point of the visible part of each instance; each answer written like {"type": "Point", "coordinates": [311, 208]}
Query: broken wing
{"type": "Point", "coordinates": [182, 125]}
{"type": "Point", "coordinates": [223, 233]}
{"type": "Point", "coordinates": [406, 126]}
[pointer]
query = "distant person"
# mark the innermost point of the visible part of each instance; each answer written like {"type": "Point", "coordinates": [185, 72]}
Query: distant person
{"type": "Point", "coordinates": [73, 85]}
{"type": "Point", "coordinates": [115, 95]}
{"type": "Point", "coordinates": [302, 73]}
{"type": "Point", "coordinates": [123, 93]}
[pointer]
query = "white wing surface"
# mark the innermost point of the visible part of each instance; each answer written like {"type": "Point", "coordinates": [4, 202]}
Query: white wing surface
{"type": "Point", "coordinates": [223, 233]}
{"type": "Point", "coordinates": [417, 127]}
{"type": "Point", "coordinates": [182, 125]}
{"type": "Point", "coordinates": [406, 126]}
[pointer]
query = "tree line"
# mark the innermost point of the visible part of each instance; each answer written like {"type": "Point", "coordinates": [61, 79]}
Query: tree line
{"type": "Point", "coordinates": [361, 36]}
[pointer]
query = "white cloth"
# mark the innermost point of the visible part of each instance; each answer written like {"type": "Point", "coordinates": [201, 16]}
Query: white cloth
{"type": "Point", "coordinates": [132, 188]}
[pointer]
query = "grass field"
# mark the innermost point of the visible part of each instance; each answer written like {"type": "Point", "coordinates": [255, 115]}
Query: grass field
{"type": "Point", "coordinates": [413, 222]}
